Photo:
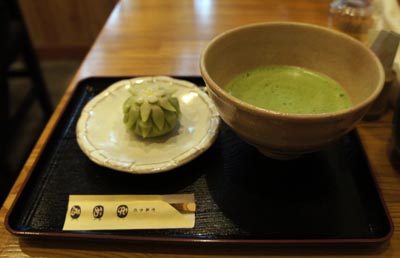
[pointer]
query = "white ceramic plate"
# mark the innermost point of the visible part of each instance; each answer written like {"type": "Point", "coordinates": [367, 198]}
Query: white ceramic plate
{"type": "Point", "coordinates": [103, 137]}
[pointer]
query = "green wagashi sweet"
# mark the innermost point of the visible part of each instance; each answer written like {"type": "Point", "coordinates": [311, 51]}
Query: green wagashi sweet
{"type": "Point", "coordinates": [151, 110]}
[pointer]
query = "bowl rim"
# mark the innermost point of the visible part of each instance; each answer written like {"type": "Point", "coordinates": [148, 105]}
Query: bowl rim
{"type": "Point", "coordinates": [210, 83]}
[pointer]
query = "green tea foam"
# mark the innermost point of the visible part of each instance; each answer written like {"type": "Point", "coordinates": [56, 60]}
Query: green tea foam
{"type": "Point", "coordinates": [289, 89]}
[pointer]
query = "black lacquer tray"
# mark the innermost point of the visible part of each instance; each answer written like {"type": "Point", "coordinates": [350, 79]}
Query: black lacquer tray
{"type": "Point", "coordinates": [327, 197]}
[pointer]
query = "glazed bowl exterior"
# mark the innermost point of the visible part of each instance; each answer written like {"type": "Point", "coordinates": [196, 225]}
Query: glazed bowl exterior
{"type": "Point", "coordinates": [283, 135]}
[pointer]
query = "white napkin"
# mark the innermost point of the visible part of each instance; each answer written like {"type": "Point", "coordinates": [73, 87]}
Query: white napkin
{"type": "Point", "coordinates": [387, 17]}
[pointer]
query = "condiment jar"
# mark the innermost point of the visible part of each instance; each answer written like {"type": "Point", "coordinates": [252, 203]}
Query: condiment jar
{"type": "Point", "coordinates": [353, 17]}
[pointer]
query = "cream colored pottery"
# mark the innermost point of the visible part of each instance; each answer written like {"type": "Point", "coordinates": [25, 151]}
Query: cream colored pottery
{"type": "Point", "coordinates": [282, 135]}
{"type": "Point", "coordinates": [103, 137]}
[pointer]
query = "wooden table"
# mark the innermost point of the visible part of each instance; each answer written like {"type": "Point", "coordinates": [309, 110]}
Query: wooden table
{"type": "Point", "coordinates": [153, 37]}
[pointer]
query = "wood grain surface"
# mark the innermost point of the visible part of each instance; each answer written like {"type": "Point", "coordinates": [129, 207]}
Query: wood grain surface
{"type": "Point", "coordinates": [155, 37]}
{"type": "Point", "coordinates": [65, 29]}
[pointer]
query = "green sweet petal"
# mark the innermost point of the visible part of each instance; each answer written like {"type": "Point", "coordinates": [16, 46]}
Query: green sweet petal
{"type": "Point", "coordinates": [170, 118]}
{"type": "Point", "coordinates": [168, 91]}
{"type": "Point", "coordinates": [126, 117]}
{"type": "Point", "coordinates": [164, 103]}
{"type": "Point", "coordinates": [158, 116]}
{"type": "Point", "coordinates": [127, 105]}
{"type": "Point", "coordinates": [156, 132]}
{"type": "Point", "coordinates": [147, 124]}
{"type": "Point", "coordinates": [160, 94]}
{"type": "Point", "coordinates": [145, 110]}
{"type": "Point", "coordinates": [138, 100]}
{"type": "Point", "coordinates": [152, 99]}
{"type": "Point", "coordinates": [175, 102]}
{"type": "Point", "coordinates": [167, 128]}
{"type": "Point", "coordinates": [137, 129]}
{"type": "Point", "coordinates": [133, 116]}
{"type": "Point", "coordinates": [145, 128]}
{"type": "Point", "coordinates": [134, 90]}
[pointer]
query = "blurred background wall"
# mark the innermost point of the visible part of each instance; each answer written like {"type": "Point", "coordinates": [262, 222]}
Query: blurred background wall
{"type": "Point", "coordinates": [64, 28]}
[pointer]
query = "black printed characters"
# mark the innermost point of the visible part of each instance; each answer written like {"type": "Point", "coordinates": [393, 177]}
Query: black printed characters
{"type": "Point", "coordinates": [75, 211]}
{"type": "Point", "coordinates": [98, 212]}
{"type": "Point", "coordinates": [122, 211]}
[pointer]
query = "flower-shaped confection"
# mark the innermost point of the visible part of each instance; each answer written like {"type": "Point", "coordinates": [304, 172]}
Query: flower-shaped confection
{"type": "Point", "coordinates": [151, 110]}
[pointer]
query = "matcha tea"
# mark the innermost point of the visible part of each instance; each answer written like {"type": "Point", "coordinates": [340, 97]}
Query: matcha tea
{"type": "Point", "coordinates": [289, 89]}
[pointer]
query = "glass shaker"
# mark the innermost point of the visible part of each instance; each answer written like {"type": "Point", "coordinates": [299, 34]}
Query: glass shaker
{"type": "Point", "coordinates": [353, 17]}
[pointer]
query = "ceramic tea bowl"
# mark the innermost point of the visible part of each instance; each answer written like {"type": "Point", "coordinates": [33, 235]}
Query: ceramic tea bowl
{"type": "Point", "coordinates": [285, 135]}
